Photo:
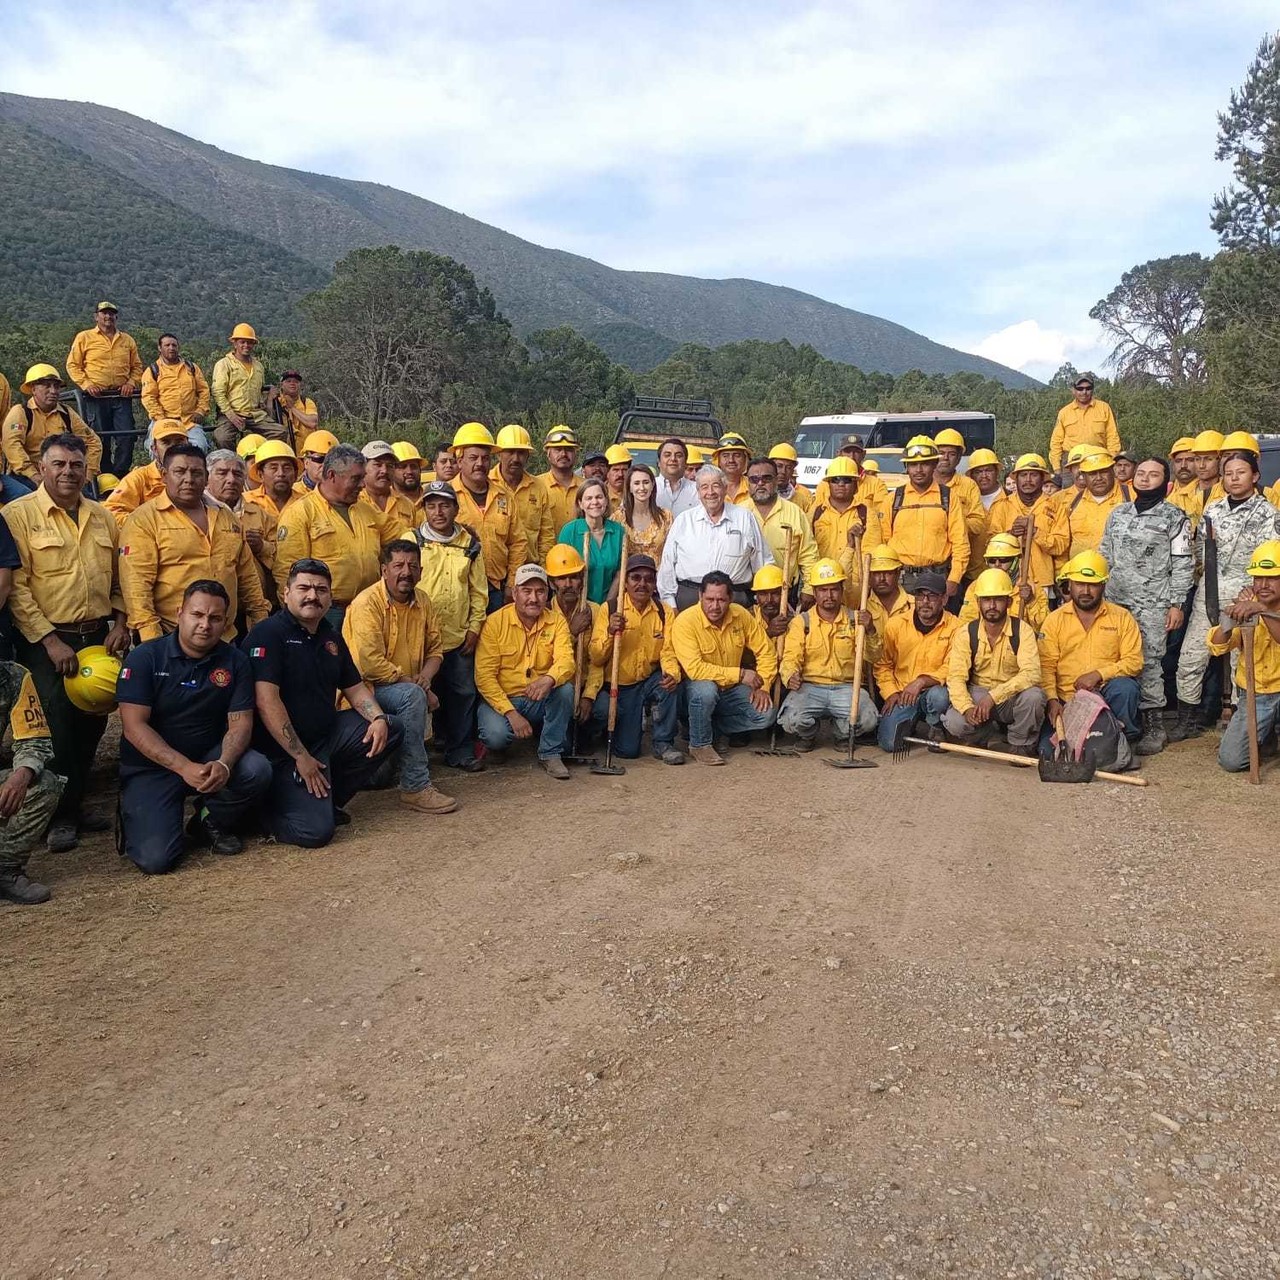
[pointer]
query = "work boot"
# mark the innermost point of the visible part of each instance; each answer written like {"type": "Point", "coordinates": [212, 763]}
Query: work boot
{"type": "Point", "coordinates": [808, 744]}
{"type": "Point", "coordinates": [204, 831]}
{"type": "Point", "coordinates": [555, 767]}
{"type": "Point", "coordinates": [429, 800]}
{"type": "Point", "coordinates": [1154, 738]}
{"type": "Point", "coordinates": [341, 818]}
{"type": "Point", "coordinates": [15, 887]}
{"type": "Point", "coordinates": [62, 836]}
{"type": "Point", "coordinates": [706, 755]}
{"type": "Point", "coordinates": [1187, 725]}
{"type": "Point", "coordinates": [473, 765]}
{"type": "Point", "coordinates": [670, 755]}
{"type": "Point", "coordinates": [94, 823]}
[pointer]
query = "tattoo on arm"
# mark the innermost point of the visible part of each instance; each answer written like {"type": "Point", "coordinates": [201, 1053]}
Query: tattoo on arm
{"type": "Point", "coordinates": [292, 743]}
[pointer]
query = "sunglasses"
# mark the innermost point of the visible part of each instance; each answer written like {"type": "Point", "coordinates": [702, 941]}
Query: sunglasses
{"type": "Point", "coordinates": [1084, 386]}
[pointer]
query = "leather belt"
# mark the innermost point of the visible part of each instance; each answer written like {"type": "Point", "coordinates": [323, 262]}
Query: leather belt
{"type": "Point", "coordinates": [81, 628]}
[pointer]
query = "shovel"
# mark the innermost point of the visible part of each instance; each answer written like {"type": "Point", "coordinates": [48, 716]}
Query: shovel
{"type": "Point", "coordinates": [1062, 766]}
{"type": "Point", "coordinates": [609, 768]}
{"type": "Point", "coordinates": [773, 749]}
{"type": "Point", "coordinates": [859, 653]}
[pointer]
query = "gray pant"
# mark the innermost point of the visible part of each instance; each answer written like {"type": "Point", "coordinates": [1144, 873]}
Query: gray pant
{"type": "Point", "coordinates": [1195, 656]}
{"type": "Point", "coordinates": [804, 708]}
{"type": "Point", "coordinates": [1151, 622]}
{"type": "Point", "coordinates": [1021, 716]}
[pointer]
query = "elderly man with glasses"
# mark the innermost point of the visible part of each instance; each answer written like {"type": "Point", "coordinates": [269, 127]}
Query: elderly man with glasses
{"type": "Point", "coordinates": [1083, 421]}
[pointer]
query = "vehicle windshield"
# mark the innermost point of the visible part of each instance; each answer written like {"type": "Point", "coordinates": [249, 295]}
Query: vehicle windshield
{"type": "Point", "coordinates": [890, 463]}
{"type": "Point", "coordinates": [822, 442]}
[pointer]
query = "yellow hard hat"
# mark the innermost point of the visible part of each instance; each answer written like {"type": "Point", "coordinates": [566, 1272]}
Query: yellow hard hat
{"type": "Point", "coordinates": [1265, 561]}
{"type": "Point", "coordinates": [730, 440]}
{"type": "Point", "coordinates": [472, 433]}
{"type": "Point", "coordinates": [563, 561]}
{"type": "Point", "coordinates": [884, 558]}
{"type": "Point", "coordinates": [1088, 566]}
{"type": "Point", "coordinates": [106, 482]}
{"type": "Point", "coordinates": [1208, 442]}
{"type": "Point", "coordinates": [1241, 440]}
{"type": "Point", "coordinates": [842, 467]}
{"type": "Point", "coordinates": [785, 452]}
{"type": "Point", "coordinates": [1096, 462]}
{"type": "Point", "coordinates": [948, 435]}
{"type": "Point", "coordinates": [1002, 546]}
{"type": "Point", "coordinates": [992, 582]}
{"type": "Point", "coordinates": [561, 436]}
{"type": "Point", "coordinates": [169, 429]}
{"type": "Point", "coordinates": [406, 451]}
{"type": "Point", "coordinates": [320, 442]}
{"type": "Point", "coordinates": [920, 449]}
{"type": "Point", "coordinates": [514, 436]}
{"type": "Point", "coordinates": [768, 578]}
{"type": "Point", "coordinates": [38, 373]}
{"type": "Point", "coordinates": [245, 331]}
{"type": "Point", "coordinates": [92, 688]}
{"type": "Point", "coordinates": [696, 456]}
{"type": "Point", "coordinates": [871, 466]}
{"type": "Point", "coordinates": [616, 454]}
{"type": "Point", "coordinates": [267, 450]}
{"type": "Point", "coordinates": [1079, 452]}
{"type": "Point", "coordinates": [249, 445]}
{"type": "Point", "coordinates": [1183, 444]}
{"type": "Point", "coordinates": [826, 573]}
{"type": "Point", "coordinates": [1034, 462]}
{"type": "Point", "coordinates": [982, 458]}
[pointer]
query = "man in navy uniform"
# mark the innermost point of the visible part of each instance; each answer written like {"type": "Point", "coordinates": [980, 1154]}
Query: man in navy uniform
{"type": "Point", "coordinates": [186, 706]}
{"type": "Point", "coordinates": [320, 756]}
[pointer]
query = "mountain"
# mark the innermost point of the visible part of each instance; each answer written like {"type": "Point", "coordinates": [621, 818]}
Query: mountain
{"type": "Point", "coordinates": [318, 219]}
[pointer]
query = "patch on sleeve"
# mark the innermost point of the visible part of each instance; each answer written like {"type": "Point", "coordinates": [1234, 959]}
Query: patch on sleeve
{"type": "Point", "coordinates": [26, 719]}
{"type": "Point", "coordinates": [257, 653]}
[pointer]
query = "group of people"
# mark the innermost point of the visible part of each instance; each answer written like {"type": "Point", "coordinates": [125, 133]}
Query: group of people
{"type": "Point", "coordinates": [284, 619]}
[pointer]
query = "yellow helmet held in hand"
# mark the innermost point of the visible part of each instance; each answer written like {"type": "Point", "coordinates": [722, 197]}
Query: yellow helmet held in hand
{"type": "Point", "coordinates": [784, 452]}
{"type": "Point", "coordinates": [1098, 461]}
{"type": "Point", "coordinates": [992, 582]}
{"type": "Point", "coordinates": [884, 559]}
{"type": "Point", "coordinates": [249, 445]}
{"type": "Point", "coordinates": [1208, 442]}
{"type": "Point", "coordinates": [1241, 440]}
{"type": "Point", "coordinates": [1088, 566]}
{"type": "Point", "coordinates": [514, 436]}
{"type": "Point", "coordinates": [842, 467]}
{"type": "Point", "coordinates": [563, 561]}
{"type": "Point", "coordinates": [1265, 561]}
{"type": "Point", "coordinates": [245, 331]}
{"type": "Point", "coordinates": [948, 435]}
{"type": "Point", "coordinates": [1002, 546]}
{"type": "Point", "coordinates": [616, 454]}
{"type": "Point", "coordinates": [92, 688]}
{"type": "Point", "coordinates": [768, 578]}
{"type": "Point", "coordinates": [920, 449]}
{"type": "Point", "coordinates": [1183, 444]}
{"type": "Point", "coordinates": [106, 482]}
{"type": "Point", "coordinates": [406, 451]}
{"type": "Point", "coordinates": [472, 433]}
{"type": "Point", "coordinates": [983, 458]}
{"type": "Point", "coordinates": [1034, 462]}
{"type": "Point", "coordinates": [827, 573]}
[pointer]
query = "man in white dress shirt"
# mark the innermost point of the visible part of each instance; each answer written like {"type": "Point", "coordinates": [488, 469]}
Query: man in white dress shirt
{"type": "Point", "coordinates": [674, 493]}
{"type": "Point", "coordinates": [712, 535]}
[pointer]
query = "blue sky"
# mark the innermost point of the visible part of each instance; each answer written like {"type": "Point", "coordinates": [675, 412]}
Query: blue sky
{"type": "Point", "coordinates": [980, 173]}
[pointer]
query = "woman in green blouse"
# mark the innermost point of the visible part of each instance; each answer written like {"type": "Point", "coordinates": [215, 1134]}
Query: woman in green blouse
{"type": "Point", "coordinates": [605, 555]}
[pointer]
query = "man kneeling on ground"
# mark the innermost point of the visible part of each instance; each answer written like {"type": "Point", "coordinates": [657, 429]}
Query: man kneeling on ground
{"type": "Point", "coordinates": [320, 756]}
{"type": "Point", "coordinates": [186, 706]}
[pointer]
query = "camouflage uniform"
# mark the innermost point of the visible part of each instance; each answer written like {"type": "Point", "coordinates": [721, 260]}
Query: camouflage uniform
{"type": "Point", "coordinates": [32, 749]}
{"type": "Point", "coordinates": [1237, 532]}
{"type": "Point", "coordinates": [1152, 569]}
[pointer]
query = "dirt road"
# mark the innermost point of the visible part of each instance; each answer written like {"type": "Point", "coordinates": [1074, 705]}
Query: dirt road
{"type": "Point", "coordinates": [772, 1020]}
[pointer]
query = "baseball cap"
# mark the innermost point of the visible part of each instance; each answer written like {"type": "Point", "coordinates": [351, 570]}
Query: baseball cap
{"type": "Point", "coordinates": [291, 373]}
{"type": "Point", "coordinates": [440, 489]}
{"type": "Point", "coordinates": [933, 582]}
{"type": "Point", "coordinates": [107, 306]}
{"type": "Point", "coordinates": [597, 456]}
{"type": "Point", "coordinates": [528, 572]}
{"type": "Point", "coordinates": [641, 562]}
{"type": "Point", "coordinates": [377, 449]}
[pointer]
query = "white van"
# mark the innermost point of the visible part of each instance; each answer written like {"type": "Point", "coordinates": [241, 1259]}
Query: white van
{"type": "Point", "coordinates": [818, 439]}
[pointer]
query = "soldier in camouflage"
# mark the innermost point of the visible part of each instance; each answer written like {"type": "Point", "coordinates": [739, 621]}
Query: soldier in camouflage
{"type": "Point", "coordinates": [29, 792]}
{"type": "Point", "coordinates": [1229, 530]}
{"type": "Point", "coordinates": [1147, 543]}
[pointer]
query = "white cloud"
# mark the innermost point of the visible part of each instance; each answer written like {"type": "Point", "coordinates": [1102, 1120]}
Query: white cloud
{"type": "Point", "coordinates": [1028, 346]}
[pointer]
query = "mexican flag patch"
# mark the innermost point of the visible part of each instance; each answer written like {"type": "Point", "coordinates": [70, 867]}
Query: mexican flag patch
{"type": "Point", "coordinates": [257, 653]}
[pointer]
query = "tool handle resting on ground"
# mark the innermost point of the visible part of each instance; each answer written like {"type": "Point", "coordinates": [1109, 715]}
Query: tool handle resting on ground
{"type": "Point", "coordinates": [859, 638]}
{"type": "Point", "coordinates": [1022, 762]}
{"type": "Point", "coordinates": [1251, 705]}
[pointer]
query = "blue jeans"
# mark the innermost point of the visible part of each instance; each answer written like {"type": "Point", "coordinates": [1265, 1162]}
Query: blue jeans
{"type": "Point", "coordinates": [1233, 752]}
{"type": "Point", "coordinates": [407, 702]}
{"type": "Point", "coordinates": [712, 708]}
{"type": "Point", "coordinates": [803, 709]}
{"type": "Point", "coordinates": [13, 487]}
{"type": "Point", "coordinates": [455, 686]}
{"type": "Point", "coordinates": [111, 414]}
{"type": "Point", "coordinates": [932, 705]}
{"type": "Point", "coordinates": [552, 713]}
{"type": "Point", "coordinates": [632, 700]}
